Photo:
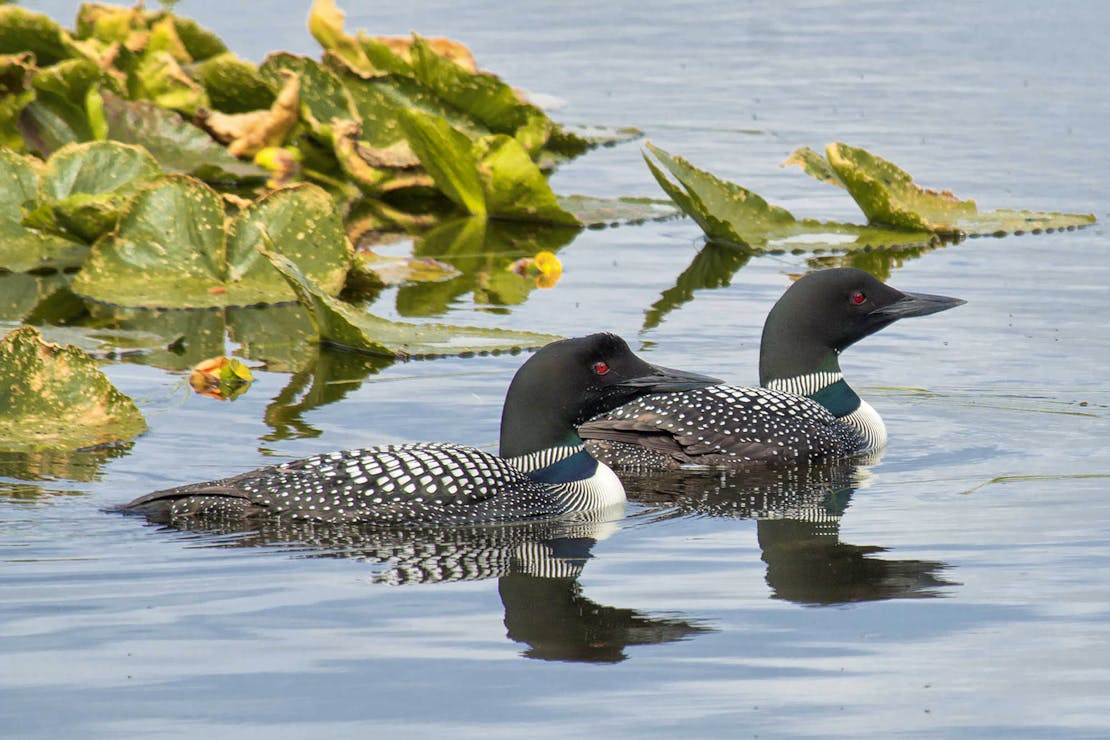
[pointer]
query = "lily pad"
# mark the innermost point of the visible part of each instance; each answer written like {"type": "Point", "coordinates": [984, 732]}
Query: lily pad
{"type": "Point", "coordinates": [21, 248]}
{"type": "Point", "coordinates": [172, 249]}
{"type": "Point", "coordinates": [234, 85]}
{"type": "Point", "coordinates": [67, 106]}
{"type": "Point", "coordinates": [57, 398]}
{"type": "Point", "coordinates": [323, 97]}
{"type": "Point", "coordinates": [23, 30]}
{"type": "Point", "coordinates": [814, 165]}
{"type": "Point", "coordinates": [16, 71]}
{"type": "Point", "coordinates": [341, 324]}
{"type": "Point", "coordinates": [178, 145]}
{"type": "Point", "coordinates": [887, 194]}
{"type": "Point", "coordinates": [484, 96]}
{"type": "Point", "coordinates": [84, 188]}
{"type": "Point", "coordinates": [159, 75]}
{"type": "Point", "coordinates": [493, 176]}
{"type": "Point", "coordinates": [599, 212]}
{"type": "Point", "coordinates": [733, 214]}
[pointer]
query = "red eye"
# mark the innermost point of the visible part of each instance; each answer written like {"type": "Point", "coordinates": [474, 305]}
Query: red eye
{"type": "Point", "coordinates": [857, 298]}
{"type": "Point", "coordinates": [600, 368]}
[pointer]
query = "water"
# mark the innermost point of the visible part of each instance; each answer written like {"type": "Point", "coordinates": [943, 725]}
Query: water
{"type": "Point", "coordinates": [711, 607]}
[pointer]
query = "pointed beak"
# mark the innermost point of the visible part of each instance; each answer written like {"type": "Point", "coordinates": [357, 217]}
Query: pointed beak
{"type": "Point", "coordinates": [917, 304]}
{"type": "Point", "coordinates": [667, 380]}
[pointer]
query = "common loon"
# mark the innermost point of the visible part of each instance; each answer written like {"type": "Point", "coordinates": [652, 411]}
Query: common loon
{"type": "Point", "coordinates": [803, 409]}
{"type": "Point", "coordinates": [543, 471]}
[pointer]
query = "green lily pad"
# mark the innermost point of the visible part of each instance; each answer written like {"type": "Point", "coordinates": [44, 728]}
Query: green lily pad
{"type": "Point", "coordinates": [234, 85]}
{"type": "Point", "coordinates": [67, 106]}
{"type": "Point", "coordinates": [21, 248]}
{"type": "Point", "coordinates": [598, 212]}
{"type": "Point", "coordinates": [730, 213]}
{"type": "Point", "coordinates": [493, 176]}
{"type": "Point", "coordinates": [887, 194]}
{"type": "Point", "coordinates": [16, 71]}
{"type": "Point", "coordinates": [23, 30]}
{"type": "Point", "coordinates": [178, 145]}
{"type": "Point", "coordinates": [323, 97]}
{"type": "Point", "coordinates": [57, 398]}
{"type": "Point", "coordinates": [1004, 221]}
{"type": "Point", "coordinates": [200, 43]}
{"type": "Point", "coordinates": [484, 96]}
{"type": "Point", "coordinates": [85, 187]}
{"type": "Point", "coordinates": [172, 250]}
{"type": "Point", "coordinates": [341, 324]}
{"type": "Point", "coordinates": [814, 165]}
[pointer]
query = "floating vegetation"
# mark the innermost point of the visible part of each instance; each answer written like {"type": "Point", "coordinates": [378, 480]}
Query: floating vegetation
{"type": "Point", "coordinates": [56, 398]}
{"type": "Point", "coordinates": [888, 195]}
{"type": "Point", "coordinates": [900, 213]}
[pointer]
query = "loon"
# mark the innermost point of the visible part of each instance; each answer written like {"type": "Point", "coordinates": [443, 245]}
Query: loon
{"type": "Point", "coordinates": [543, 470]}
{"type": "Point", "coordinates": [803, 410]}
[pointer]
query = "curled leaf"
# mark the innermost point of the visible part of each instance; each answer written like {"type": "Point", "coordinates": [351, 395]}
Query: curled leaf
{"type": "Point", "coordinates": [814, 165]}
{"type": "Point", "coordinates": [222, 378]}
{"type": "Point", "coordinates": [888, 195]}
{"type": "Point", "coordinates": [492, 176]}
{"type": "Point", "coordinates": [16, 72]}
{"type": "Point", "coordinates": [325, 23]}
{"type": "Point", "coordinates": [248, 133]}
{"type": "Point", "coordinates": [733, 214]}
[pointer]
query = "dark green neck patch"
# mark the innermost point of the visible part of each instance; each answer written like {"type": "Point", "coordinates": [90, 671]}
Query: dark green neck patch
{"type": "Point", "coordinates": [838, 398]}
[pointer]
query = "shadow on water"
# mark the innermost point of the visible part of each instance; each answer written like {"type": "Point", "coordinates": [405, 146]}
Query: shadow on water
{"type": "Point", "coordinates": [797, 511]}
{"type": "Point", "coordinates": [537, 566]}
{"type": "Point", "coordinates": [717, 263]}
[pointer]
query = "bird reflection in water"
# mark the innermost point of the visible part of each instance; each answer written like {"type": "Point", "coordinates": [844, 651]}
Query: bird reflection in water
{"type": "Point", "coordinates": [797, 511]}
{"type": "Point", "coordinates": [537, 565]}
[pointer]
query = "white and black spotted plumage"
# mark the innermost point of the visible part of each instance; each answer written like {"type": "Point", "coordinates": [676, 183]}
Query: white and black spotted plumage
{"type": "Point", "coordinates": [720, 426]}
{"type": "Point", "coordinates": [394, 484]}
{"type": "Point", "coordinates": [803, 409]}
{"type": "Point", "coordinates": [544, 471]}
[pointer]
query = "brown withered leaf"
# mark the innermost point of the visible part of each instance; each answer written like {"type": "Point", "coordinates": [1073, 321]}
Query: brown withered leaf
{"type": "Point", "coordinates": [377, 170]}
{"type": "Point", "coordinates": [247, 133]}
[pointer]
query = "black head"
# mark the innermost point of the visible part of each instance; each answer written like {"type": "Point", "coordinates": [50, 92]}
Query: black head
{"type": "Point", "coordinates": [570, 381]}
{"type": "Point", "coordinates": [829, 310]}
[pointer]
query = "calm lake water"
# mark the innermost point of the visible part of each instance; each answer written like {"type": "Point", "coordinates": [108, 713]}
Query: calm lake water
{"type": "Point", "coordinates": [960, 586]}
